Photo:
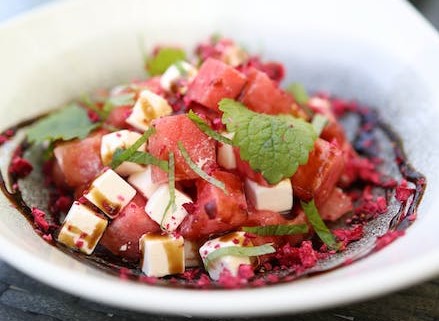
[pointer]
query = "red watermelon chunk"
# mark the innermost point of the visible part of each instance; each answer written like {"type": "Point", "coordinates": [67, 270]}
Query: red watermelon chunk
{"type": "Point", "coordinates": [122, 236]}
{"type": "Point", "coordinates": [337, 204]}
{"type": "Point", "coordinates": [262, 95]}
{"type": "Point", "coordinates": [215, 212]}
{"type": "Point", "coordinates": [80, 160]}
{"type": "Point", "coordinates": [317, 178]}
{"type": "Point", "coordinates": [169, 131]}
{"type": "Point", "coordinates": [215, 80]}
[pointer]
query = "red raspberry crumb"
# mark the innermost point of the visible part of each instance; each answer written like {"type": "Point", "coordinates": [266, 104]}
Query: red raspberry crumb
{"type": "Point", "coordinates": [245, 271]}
{"type": "Point", "coordinates": [403, 192]}
{"type": "Point", "coordinates": [47, 237]}
{"type": "Point", "coordinates": [387, 238]}
{"type": "Point", "coordinates": [20, 167]}
{"type": "Point", "coordinates": [40, 219]}
{"type": "Point", "coordinates": [93, 116]}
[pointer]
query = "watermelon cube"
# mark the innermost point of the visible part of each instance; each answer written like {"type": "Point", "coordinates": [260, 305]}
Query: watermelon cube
{"type": "Point", "coordinates": [215, 80]}
{"type": "Point", "coordinates": [317, 178]}
{"type": "Point", "coordinates": [179, 128]}
{"type": "Point", "coordinates": [337, 204]}
{"type": "Point", "coordinates": [261, 94]}
{"type": "Point", "coordinates": [214, 211]}
{"type": "Point", "coordinates": [122, 236]}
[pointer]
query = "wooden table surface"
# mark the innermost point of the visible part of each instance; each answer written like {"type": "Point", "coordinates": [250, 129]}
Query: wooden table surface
{"type": "Point", "coordinates": [23, 298]}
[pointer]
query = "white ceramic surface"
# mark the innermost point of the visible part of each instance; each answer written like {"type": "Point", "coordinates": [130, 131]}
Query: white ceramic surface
{"type": "Point", "coordinates": [380, 52]}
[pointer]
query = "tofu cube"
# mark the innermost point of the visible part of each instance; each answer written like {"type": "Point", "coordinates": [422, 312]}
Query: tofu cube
{"type": "Point", "coordinates": [161, 255]}
{"type": "Point", "coordinates": [276, 198]}
{"type": "Point", "coordinates": [143, 182]}
{"type": "Point", "coordinates": [225, 154]}
{"type": "Point", "coordinates": [110, 193]}
{"type": "Point", "coordinates": [178, 76]}
{"type": "Point", "coordinates": [82, 229]}
{"type": "Point", "coordinates": [227, 262]}
{"type": "Point", "coordinates": [148, 107]}
{"type": "Point", "coordinates": [191, 255]}
{"type": "Point", "coordinates": [157, 203]}
{"type": "Point", "coordinates": [120, 139]}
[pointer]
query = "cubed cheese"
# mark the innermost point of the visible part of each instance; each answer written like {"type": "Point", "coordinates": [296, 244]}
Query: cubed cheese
{"type": "Point", "coordinates": [276, 198]}
{"type": "Point", "coordinates": [191, 255]}
{"type": "Point", "coordinates": [82, 228]}
{"type": "Point", "coordinates": [178, 76]}
{"type": "Point", "coordinates": [226, 262]}
{"type": "Point", "coordinates": [143, 182]}
{"type": "Point", "coordinates": [158, 202]}
{"type": "Point", "coordinates": [110, 192]}
{"type": "Point", "coordinates": [161, 254]}
{"type": "Point", "coordinates": [225, 154]}
{"type": "Point", "coordinates": [148, 107]}
{"type": "Point", "coordinates": [120, 139]}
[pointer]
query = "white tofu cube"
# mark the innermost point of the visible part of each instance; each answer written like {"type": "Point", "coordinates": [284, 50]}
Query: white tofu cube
{"type": "Point", "coordinates": [148, 107]}
{"type": "Point", "coordinates": [276, 198]}
{"type": "Point", "coordinates": [181, 71]}
{"type": "Point", "coordinates": [161, 254]}
{"type": "Point", "coordinates": [225, 154]}
{"type": "Point", "coordinates": [227, 262]}
{"type": "Point", "coordinates": [157, 203]}
{"type": "Point", "coordinates": [191, 254]}
{"type": "Point", "coordinates": [110, 193]}
{"type": "Point", "coordinates": [82, 229]}
{"type": "Point", "coordinates": [143, 182]}
{"type": "Point", "coordinates": [120, 139]}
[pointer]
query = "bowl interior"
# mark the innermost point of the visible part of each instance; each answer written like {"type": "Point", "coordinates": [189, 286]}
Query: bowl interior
{"type": "Point", "coordinates": [50, 58]}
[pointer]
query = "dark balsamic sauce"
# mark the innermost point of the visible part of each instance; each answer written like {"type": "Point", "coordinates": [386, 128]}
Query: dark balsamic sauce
{"type": "Point", "coordinates": [106, 261]}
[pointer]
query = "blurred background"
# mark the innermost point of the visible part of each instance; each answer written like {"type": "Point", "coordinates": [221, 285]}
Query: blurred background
{"type": "Point", "coordinates": [9, 8]}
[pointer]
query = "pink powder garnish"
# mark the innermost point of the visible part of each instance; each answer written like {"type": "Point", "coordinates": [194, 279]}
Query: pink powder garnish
{"type": "Point", "coordinates": [20, 167]}
{"type": "Point", "coordinates": [40, 219]}
{"type": "Point", "coordinates": [403, 192]}
{"type": "Point", "coordinates": [228, 281]}
{"type": "Point", "coordinates": [3, 139]}
{"type": "Point", "coordinates": [387, 238]}
{"type": "Point", "coordinates": [93, 116]}
{"type": "Point", "coordinates": [79, 244]}
{"type": "Point", "coordinates": [120, 198]}
{"type": "Point", "coordinates": [124, 273]}
{"type": "Point", "coordinates": [235, 241]}
{"type": "Point", "coordinates": [47, 237]}
{"type": "Point", "coordinates": [145, 279]}
{"type": "Point", "coordinates": [245, 271]}
{"type": "Point", "coordinates": [204, 281]}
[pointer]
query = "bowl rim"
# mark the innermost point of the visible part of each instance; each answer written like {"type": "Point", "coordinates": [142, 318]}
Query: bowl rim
{"type": "Point", "coordinates": [371, 284]}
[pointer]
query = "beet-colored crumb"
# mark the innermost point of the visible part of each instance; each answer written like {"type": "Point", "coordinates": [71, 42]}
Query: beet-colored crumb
{"type": "Point", "coordinates": [228, 281]}
{"type": "Point", "coordinates": [47, 237]}
{"type": "Point", "coordinates": [93, 116]}
{"type": "Point", "coordinates": [387, 238]}
{"type": "Point", "coordinates": [245, 271]}
{"type": "Point", "coordinates": [20, 167]}
{"type": "Point", "coordinates": [3, 139]}
{"type": "Point", "coordinates": [403, 192]}
{"type": "Point", "coordinates": [299, 258]}
{"type": "Point", "coordinates": [40, 219]}
{"type": "Point", "coordinates": [346, 236]}
{"type": "Point", "coordinates": [148, 279]}
{"type": "Point", "coordinates": [124, 273]}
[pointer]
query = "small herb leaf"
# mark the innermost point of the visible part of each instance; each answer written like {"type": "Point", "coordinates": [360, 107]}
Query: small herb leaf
{"type": "Point", "coordinates": [143, 158]}
{"type": "Point", "coordinates": [171, 184]}
{"type": "Point", "coordinates": [65, 124]}
{"type": "Point", "coordinates": [205, 128]}
{"type": "Point", "coordinates": [199, 171]}
{"type": "Point", "coordinates": [319, 122]}
{"type": "Point", "coordinates": [239, 251]}
{"type": "Point", "coordinates": [285, 229]}
{"type": "Point", "coordinates": [163, 59]}
{"type": "Point", "coordinates": [274, 145]}
{"type": "Point", "coordinates": [120, 157]}
{"type": "Point", "coordinates": [299, 93]}
{"type": "Point", "coordinates": [318, 225]}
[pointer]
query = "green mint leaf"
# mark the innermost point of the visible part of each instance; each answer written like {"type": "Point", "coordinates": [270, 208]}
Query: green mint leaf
{"type": "Point", "coordinates": [205, 128]}
{"type": "Point", "coordinates": [239, 251]}
{"type": "Point", "coordinates": [165, 57]}
{"type": "Point", "coordinates": [282, 229]}
{"type": "Point", "coordinates": [143, 158]}
{"type": "Point", "coordinates": [318, 225]}
{"type": "Point", "coordinates": [120, 157]}
{"type": "Point", "coordinates": [199, 171]}
{"type": "Point", "coordinates": [319, 122]}
{"type": "Point", "coordinates": [299, 93]}
{"type": "Point", "coordinates": [171, 184]}
{"type": "Point", "coordinates": [274, 145]}
{"type": "Point", "coordinates": [68, 123]}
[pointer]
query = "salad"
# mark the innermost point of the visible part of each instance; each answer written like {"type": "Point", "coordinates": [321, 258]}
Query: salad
{"type": "Point", "coordinates": [210, 172]}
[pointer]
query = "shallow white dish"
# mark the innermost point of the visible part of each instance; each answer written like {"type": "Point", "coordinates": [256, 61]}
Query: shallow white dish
{"type": "Point", "coordinates": [379, 52]}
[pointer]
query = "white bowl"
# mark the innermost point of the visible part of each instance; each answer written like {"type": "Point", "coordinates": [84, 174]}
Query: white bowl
{"type": "Point", "coordinates": [379, 52]}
